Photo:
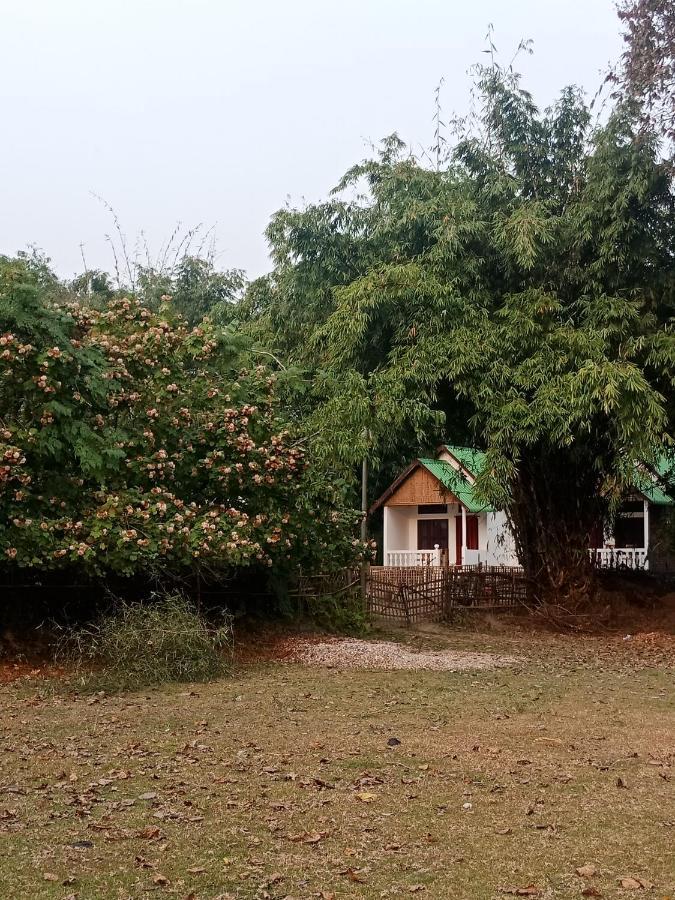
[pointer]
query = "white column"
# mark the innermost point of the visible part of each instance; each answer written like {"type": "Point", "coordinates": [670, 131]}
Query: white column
{"type": "Point", "coordinates": [385, 535]}
{"type": "Point", "coordinates": [646, 531]}
{"type": "Point", "coordinates": [461, 561]}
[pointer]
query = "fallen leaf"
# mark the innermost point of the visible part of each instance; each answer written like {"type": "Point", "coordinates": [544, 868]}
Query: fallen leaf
{"type": "Point", "coordinates": [502, 831]}
{"type": "Point", "coordinates": [630, 883]}
{"type": "Point", "coordinates": [314, 837]}
{"type": "Point", "coordinates": [197, 870]}
{"type": "Point", "coordinates": [393, 742]}
{"type": "Point", "coordinates": [587, 871]}
{"type": "Point", "coordinates": [149, 832]}
{"type": "Point", "coordinates": [161, 880]}
{"type": "Point", "coordinates": [50, 876]}
{"type": "Point", "coordinates": [416, 888]}
{"type": "Point", "coordinates": [366, 796]}
{"type": "Point", "coordinates": [355, 876]}
{"type": "Point", "coordinates": [591, 891]}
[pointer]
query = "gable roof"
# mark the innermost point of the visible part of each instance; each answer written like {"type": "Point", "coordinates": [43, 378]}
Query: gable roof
{"type": "Point", "coordinates": [455, 482]}
{"type": "Point", "coordinates": [654, 487]}
{"type": "Point", "coordinates": [469, 458]}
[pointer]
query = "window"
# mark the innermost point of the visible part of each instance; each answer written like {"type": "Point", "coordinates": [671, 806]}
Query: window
{"type": "Point", "coordinates": [629, 532]}
{"type": "Point", "coordinates": [432, 509]}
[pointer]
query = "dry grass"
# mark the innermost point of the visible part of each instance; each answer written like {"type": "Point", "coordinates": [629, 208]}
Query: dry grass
{"type": "Point", "coordinates": [284, 781]}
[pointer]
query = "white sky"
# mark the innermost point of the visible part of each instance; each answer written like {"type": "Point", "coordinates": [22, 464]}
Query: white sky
{"type": "Point", "coordinates": [219, 111]}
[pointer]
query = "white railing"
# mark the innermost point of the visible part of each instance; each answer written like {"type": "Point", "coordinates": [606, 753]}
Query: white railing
{"type": "Point", "coordinates": [620, 558]}
{"type": "Point", "coordinates": [413, 557]}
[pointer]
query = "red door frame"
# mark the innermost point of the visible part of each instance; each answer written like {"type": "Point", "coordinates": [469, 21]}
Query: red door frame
{"type": "Point", "coordinates": [471, 536]}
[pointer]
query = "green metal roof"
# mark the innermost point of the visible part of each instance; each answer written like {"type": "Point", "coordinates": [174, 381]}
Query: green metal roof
{"type": "Point", "coordinates": [654, 494]}
{"type": "Point", "coordinates": [657, 489]}
{"type": "Point", "coordinates": [456, 482]}
{"type": "Point", "coordinates": [473, 460]}
{"type": "Point", "coordinates": [665, 466]}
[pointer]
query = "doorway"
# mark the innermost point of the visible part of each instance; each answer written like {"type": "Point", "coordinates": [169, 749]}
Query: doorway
{"type": "Point", "coordinates": [471, 536]}
{"type": "Point", "coordinates": [431, 532]}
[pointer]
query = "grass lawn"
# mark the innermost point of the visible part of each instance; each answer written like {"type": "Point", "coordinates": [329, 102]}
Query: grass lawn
{"type": "Point", "coordinates": [283, 781]}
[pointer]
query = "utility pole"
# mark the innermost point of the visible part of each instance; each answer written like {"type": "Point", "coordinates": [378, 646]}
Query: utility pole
{"type": "Point", "coordinates": [364, 530]}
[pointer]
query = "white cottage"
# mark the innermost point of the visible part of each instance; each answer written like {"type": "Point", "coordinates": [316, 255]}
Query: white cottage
{"type": "Point", "coordinates": [432, 517]}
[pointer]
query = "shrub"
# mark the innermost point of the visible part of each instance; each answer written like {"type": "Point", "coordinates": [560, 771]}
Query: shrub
{"type": "Point", "coordinates": [140, 644]}
{"type": "Point", "coordinates": [132, 445]}
{"type": "Point", "coordinates": [342, 611]}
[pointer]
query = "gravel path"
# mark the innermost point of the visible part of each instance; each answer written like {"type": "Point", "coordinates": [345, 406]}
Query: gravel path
{"type": "Point", "coordinates": [351, 653]}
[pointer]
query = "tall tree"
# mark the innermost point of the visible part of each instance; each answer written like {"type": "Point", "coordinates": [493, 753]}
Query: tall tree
{"type": "Point", "coordinates": [525, 290]}
{"type": "Point", "coordinates": [196, 287]}
{"type": "Point", "coordinates": [648, 62]}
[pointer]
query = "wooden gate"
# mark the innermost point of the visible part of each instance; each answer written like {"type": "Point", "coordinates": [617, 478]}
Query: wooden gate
{"type": "Point", "coordinates": [413, 594]}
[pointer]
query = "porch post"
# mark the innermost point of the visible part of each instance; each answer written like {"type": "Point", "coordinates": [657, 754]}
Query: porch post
{"type": "Point", "coordinates": [646, 532]}
{"type": "Point", "coordinates": [461, 562]}
{"type": "Point", "coordinates": [385, 535]}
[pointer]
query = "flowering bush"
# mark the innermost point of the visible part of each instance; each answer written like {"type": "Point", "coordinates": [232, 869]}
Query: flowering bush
{"type": "Point", "coordinates": [129, 440]}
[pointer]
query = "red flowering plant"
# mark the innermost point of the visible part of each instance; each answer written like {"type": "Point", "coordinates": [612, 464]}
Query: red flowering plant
{"type": "Point", "coordinates": [130, 443]}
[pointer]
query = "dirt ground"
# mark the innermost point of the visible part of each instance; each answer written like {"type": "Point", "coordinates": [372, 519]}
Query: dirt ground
{"type": "Point", "coordinates": [550, 776]}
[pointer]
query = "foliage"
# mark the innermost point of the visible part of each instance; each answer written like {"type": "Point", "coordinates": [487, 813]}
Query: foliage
{"type": "Point", "coordinates": [133, 443]}
{"type": "Point", "coordinates": [647, 74]}
{"type": "Point", "coordinates": [157, 642]}
{"type": "Point", "coordinates": [523, 293]}
{"type": "Point", "coordinates": [334, 603]}
{"type": "Point", "coordinates": [195, 286]}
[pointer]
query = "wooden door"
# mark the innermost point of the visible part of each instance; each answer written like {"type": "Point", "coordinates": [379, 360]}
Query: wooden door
{"type": "Point", "coordinates": [431, 532]}
{"type": "Point", "coordinates": [471, 536]}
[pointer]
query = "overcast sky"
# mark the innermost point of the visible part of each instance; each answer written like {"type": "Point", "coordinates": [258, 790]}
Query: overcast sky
{"type": "Point", "coordinates": [220, 111]}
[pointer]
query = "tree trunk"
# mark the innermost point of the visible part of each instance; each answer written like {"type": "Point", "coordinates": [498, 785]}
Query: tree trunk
{"type": "Point", "coordinates": [555, 509]}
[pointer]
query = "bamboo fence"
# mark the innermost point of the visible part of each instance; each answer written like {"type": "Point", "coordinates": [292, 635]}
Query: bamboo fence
{"type": "Point", "coordinates": [413, 594]}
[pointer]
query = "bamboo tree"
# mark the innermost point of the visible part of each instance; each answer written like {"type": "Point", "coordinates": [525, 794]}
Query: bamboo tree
{"type": "Point", "coordinates": [521, 296]}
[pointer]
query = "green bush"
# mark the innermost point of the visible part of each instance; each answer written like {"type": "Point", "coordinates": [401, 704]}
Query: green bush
{"type": "Point", "coordinates": [141, 644]}
{"type": "Point", "coordinates": [342, 612]}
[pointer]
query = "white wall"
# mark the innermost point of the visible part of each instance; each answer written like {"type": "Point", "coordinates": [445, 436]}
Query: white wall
{"type": "Point", "coordinates": [400, 528]}
{"type": "Point", "coordinates": [501, 548]}
{"type": "Point", "coordinates": [495, 542]}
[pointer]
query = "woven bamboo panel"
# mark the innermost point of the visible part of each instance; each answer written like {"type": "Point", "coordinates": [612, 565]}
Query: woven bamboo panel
{"type": "Point", "coordinates": [430, 593]}
{"type": "Point", "coordinates": [407, 594]}
{"type": "Point", "coordinates": [420, 487]}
